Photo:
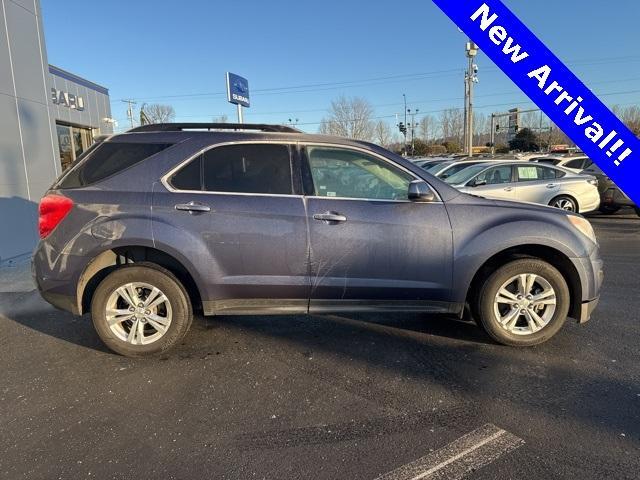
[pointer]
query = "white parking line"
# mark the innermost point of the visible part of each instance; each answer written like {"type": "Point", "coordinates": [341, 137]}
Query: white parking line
{"type": "Point", "coordinates": [470, 452]}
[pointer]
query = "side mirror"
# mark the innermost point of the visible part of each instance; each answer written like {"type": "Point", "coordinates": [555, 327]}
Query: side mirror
{"type": "Point", "coordinates": [419, 191]}
{"type": "Point", "coordinates": [477, 183]}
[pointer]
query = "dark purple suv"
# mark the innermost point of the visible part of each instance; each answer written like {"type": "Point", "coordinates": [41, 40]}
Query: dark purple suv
{"type": "Point", "coordinates": [262, 219]}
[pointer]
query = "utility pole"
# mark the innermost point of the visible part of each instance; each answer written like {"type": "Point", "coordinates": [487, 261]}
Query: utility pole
{"type": "Point", "coordinates": [130, 103]}
{"type": "Point", "coordinates": [406, 148]}
{"type": "Point", "coordinates": [413, 129]}
{"type": "Point", "coordinates": [492, 134]}
{"type": "Point", "coordinates": [471, 77]}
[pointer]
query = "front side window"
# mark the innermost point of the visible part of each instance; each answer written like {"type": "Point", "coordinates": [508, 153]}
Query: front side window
{"type": "Point", "coordinates": [248, 168]}
{"type": "Point", "coordinates": [338, 172]}
{"type": "Point", "coordinates": [495, 175]}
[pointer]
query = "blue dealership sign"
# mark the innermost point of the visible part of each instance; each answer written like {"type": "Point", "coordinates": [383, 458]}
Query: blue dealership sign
{"type": "Point", "coordinates": [551, 86]}
{"type": "Point", "coordinates": [237, 89]}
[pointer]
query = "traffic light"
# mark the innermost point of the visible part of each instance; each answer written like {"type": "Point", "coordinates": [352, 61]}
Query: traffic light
{"type": "Point", "coordinates": [402, 127]}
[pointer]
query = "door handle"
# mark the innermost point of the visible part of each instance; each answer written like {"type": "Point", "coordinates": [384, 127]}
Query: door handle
{"type": "Point", "coordinates": [330, 217]}
{"type": "Point", "coordinates": [551, 185]}
{"type": "Point", "coordinates": [508, 189]}
{"type": "Point", "coordinates": [193, 207]}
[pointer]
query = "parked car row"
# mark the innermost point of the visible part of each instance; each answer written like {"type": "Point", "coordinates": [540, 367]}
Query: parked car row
{"type": "Point", "coordinates": [570, 182]}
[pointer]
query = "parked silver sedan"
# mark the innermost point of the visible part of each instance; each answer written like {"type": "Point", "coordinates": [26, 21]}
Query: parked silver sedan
{"type": "Point", "coordinates": [530, 182]}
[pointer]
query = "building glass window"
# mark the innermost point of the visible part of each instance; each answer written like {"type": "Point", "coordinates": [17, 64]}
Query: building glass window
{"type": "Point", "coordinates": [72, 141]}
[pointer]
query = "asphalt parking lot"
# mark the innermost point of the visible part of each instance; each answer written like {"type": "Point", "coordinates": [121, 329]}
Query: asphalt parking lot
{"type": "Point", "coordinates": [335, 397]}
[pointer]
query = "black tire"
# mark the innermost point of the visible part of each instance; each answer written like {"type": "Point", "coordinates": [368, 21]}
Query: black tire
{"type": "Point", "coordinates": [488, 291]}
{"type": "Point", "coordinates": [565, 198]}
{"type": "Point", "coordinates": [608, 209]}
{"type": "Point", "coordinates": [181, 318]}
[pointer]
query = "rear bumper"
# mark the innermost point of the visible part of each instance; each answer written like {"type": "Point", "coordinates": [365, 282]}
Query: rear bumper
{"type": "Point", "coordinates": [61, 302]}
{"type": "Point", "coordinates": [590, 202]}
{"type": "Point", "coordinates": [615, 198]}
{"type": "Point", "coordinates": [55, 278]}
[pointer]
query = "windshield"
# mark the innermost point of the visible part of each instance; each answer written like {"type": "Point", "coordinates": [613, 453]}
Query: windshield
{"type": "Point", "coordinates": [438, 166]}
{"type": "Point", "coordinates": [463, 176]}
{"type": "Point", "coordinates": [456, 168]}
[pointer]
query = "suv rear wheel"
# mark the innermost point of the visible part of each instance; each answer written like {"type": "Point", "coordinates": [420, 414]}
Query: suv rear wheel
{"type": "Point", "coordinates": [523, 303]}
{"type": "Point", "coordinates": [141, 310]}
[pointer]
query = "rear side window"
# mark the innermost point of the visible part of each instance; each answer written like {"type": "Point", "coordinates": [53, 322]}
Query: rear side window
{"type": "Point", "coordinates": [577, 163]}
{"type": "Point", "coordinates": [258, 168]}
{"type": "Point", "coordinates": [107, 159]}
{"type": "Point", "coordinates": [188, 177]}
{"type": "Point", "coordinates": [532, 173]}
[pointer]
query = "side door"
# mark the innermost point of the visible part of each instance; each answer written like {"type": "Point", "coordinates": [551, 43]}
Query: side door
{"type": "Point", "coordinates": [495, 182]}
{"type": "Point", "coordinates": [370, 247]}
{"type": "Point", "coordinates": [250, 226]}
{"type": "Point", "coordinates": [537, 183]}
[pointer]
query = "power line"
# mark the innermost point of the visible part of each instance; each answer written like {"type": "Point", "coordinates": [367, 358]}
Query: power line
{"type": "Point", "coordinates": [313, 87]}
{"type": "Point", "coordinates": [419, 102]}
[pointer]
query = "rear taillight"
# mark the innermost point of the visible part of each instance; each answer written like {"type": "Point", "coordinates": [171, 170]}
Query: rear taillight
{"type": "Point", "coordinates": [53, 208]}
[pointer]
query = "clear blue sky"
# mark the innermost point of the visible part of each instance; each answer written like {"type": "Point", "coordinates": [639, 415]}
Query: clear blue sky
{"type": "Point", "coordinates": [154, 50]}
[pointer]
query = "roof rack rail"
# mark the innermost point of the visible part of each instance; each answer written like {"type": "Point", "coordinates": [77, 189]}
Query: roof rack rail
{"type": "Point", "coordinates": [179, 127]}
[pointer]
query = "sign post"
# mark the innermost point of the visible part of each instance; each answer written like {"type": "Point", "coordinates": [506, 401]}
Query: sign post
{"type": "Point", "coordinates": [238, 92]}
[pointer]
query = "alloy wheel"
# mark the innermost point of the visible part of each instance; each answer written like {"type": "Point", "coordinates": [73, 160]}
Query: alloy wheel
{"type": "Point", "coordinates": [524, 304]}
{"type": "Point", "coordinates": [565, 204]}
{"type": "Point", "coordinates": [138, 313]}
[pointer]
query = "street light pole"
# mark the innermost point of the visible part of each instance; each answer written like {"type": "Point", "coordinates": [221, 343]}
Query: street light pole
{"type": "Point", "coordinates": [471, 77]}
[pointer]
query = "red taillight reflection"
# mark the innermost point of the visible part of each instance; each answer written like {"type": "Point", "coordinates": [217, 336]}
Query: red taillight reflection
{"type": "Point", "coordinates": [53, 208]}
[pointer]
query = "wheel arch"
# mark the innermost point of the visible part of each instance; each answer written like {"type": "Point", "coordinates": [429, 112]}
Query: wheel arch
{"type": "Point", "coordinates": [108, 260]}
{"type": "Point", "coordinates": [542, 252]}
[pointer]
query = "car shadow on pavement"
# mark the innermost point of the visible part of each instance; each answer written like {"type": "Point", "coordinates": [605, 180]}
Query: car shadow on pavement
{"type": "Point", "coordinates": [30, 310]}
{"type": "Point", "coordinates": [437, 352]}
{"type": "Point", "coordinates": [387, 359]}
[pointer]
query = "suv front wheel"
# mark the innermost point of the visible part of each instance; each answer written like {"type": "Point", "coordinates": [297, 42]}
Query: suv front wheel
{"type": "Point", "coordinates": [141, 310]}
{"type": "Point", "coordinates": [523, 303]}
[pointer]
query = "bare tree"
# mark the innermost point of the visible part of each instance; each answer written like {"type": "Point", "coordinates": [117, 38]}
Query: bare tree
{"type": "Point", "coordinates": [630, 116]}
{"type": "Point", "coordinates": [349, 117]}
{"type": "Point", "coordinates": [382, 133]}
{"type": "Point", "coordinates": [452, 125]}
{"type": "Point", "coordinates": [480, 128]}
{"type": "Point", "coordinates": [427, 128]}
{"type": "Point", "coordinates": [530, 120]}
{"type": "Point", "coordinates": [221, 119]}
{"type": "Point", "coordinates": [156, 113]}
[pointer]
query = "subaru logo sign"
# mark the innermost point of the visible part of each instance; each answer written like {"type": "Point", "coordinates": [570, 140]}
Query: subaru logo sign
{"type": "Point", "coordinates": [237, 89]}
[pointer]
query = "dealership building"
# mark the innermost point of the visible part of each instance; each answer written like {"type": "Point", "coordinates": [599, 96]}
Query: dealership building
{"type": "Point", "coordinates": [48, 117]}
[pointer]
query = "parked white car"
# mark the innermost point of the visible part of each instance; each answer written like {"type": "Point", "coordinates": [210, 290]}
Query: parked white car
{"type": "Point", "coordinates": [530, 182]}
{"type": "Point", "coordinates": [574, 164]}
{"type": "Point", "coordinates": [446, 169]}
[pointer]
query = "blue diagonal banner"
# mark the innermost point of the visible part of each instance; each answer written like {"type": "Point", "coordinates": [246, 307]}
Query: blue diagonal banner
{"type": "Point", "coordinates": [552, 86]}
